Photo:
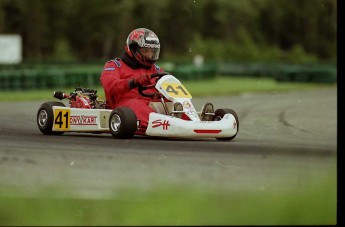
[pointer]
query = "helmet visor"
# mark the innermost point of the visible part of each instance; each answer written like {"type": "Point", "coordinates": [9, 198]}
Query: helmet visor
{"type": "Point", "coordinates": [149, 53]}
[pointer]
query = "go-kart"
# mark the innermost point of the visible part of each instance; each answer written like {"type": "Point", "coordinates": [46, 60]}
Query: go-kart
{"type": "Point", "coordinates": [174, 116]}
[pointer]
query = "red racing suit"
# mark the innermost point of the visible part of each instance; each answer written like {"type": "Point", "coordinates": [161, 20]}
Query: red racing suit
{"type": "Point", "coordinates": [115, 81]}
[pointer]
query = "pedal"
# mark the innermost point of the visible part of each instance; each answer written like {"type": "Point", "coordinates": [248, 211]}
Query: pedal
{"type": "Point", "coordinates": [207, 112]}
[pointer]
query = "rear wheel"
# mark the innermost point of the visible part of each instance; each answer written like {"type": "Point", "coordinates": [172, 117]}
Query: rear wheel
{"type": "Point", "coordinates": [45, 118]}
{"type": "Point", "coordinates": [122, 123]}
{"type": "Point", "coordinates": [219, 114]}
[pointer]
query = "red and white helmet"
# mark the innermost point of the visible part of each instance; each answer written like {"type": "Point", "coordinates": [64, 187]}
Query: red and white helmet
{"type": "Point", "coordinates": [143, 37]}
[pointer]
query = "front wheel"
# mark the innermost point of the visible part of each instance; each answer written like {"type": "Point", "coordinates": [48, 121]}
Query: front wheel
{"type": "Point", "coordinates": [45, 118]}
{"type": "Point", "coordinates": [122, 123]}
{"type": "Point", "coordinates": [219, 114]}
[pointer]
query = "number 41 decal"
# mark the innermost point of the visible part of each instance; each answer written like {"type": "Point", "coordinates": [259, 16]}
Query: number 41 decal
{"type": "Point", "coordinates": [62, 119]}
{"type": "Point", "coordinates": [176, 90]}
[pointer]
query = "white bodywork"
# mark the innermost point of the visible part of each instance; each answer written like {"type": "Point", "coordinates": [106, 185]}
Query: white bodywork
{"type": "Point", "coordinates": [162, 125]}
{"type": "Point", "coordinates": [169, 126]}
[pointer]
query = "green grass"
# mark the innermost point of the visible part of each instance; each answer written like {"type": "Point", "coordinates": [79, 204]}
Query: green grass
{"type": "Point", "coordinates": [217, 86]}
{"type": "Point", "coordinates": [237, 85]}
{"type": "Point", "coordinates": [314, 204]}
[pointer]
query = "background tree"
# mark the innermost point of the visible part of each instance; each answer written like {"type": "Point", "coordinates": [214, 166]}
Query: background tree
{"type": "Point", "coordinates": [246, 30]}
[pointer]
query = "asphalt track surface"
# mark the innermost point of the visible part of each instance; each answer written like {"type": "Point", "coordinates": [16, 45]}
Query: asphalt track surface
{"type": "Point", "coordinates": [286, 141]}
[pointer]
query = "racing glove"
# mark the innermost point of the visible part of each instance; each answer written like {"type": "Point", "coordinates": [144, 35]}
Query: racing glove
{"type": "Point", "coordinates": [145, 79]}
{"type": "Point", "coordinates": [141, 80]}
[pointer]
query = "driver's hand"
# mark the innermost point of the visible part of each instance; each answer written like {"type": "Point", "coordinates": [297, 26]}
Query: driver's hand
{"type": "Point", "coordinates": [140, 81]}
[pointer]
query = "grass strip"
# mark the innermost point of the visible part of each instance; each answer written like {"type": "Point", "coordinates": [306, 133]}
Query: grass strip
{"type": "Point", "coordinates": [217, 86]}
{"type": "Point", "coordinates": [314, 204]}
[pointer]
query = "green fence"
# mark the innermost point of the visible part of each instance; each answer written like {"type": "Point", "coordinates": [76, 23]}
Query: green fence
{"type": "Point", "coordinates": [41, 79]}
{"type": "Point", "coordinates": [282, 72]}
{"type": "Point", "coordinates": [308, 74]}
{"type": "Point", "coordinates": [22, 78]}
{"type": "Point", "coordinates": [190, 72]}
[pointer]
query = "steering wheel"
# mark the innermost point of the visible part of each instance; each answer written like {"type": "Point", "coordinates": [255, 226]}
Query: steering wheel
{"type": "Point", "coordinates": [141, 89]}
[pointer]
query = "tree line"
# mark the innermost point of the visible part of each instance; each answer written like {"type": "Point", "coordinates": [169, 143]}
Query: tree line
{"type": "Point", "coordinates": [248, 30]}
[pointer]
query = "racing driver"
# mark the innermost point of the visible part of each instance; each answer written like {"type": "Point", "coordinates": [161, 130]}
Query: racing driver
{"type": "Point", "coordinates": [122, 75]}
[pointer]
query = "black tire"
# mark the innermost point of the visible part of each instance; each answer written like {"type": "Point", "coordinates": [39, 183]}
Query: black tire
{"type": "Point", "coordinates": [219, 114]}
{"type": "Point", "coordinates": [122, 123]}
{"type": "Point", "coordinates": [45, 118]}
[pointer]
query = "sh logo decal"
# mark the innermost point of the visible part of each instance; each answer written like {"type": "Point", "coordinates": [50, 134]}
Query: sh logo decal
{"type": "Point", "coordinates": [159, 122]}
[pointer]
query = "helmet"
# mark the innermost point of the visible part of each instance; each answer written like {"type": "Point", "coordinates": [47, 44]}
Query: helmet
{"type": "Point", "coordinates": [143, 38]}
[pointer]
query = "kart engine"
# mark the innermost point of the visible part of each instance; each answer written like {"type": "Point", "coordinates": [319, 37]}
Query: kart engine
{"type": "Point", "coordinates": [84, 98]}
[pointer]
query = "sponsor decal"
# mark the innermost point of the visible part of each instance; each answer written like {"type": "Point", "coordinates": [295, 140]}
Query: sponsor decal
{"type": "Point", "coordinates": [159, 122]}
{"type": "Point", "coordinates": [188, 106]}
{"type": "Point", "coordinates": [83, 120]}
{"type": "Point", "coordinates": [150, 45]}
{"type": "Point", "coordinates": [190, 112]}
{"type": "Point", "coordinates": [109, 69]}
